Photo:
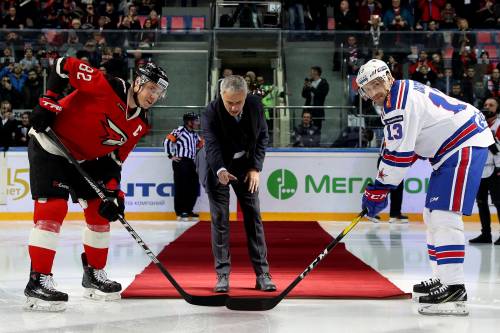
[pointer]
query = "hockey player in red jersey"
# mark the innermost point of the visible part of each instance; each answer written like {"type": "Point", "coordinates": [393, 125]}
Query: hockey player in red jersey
{"type": "Point", "coordinates": [100, 123]}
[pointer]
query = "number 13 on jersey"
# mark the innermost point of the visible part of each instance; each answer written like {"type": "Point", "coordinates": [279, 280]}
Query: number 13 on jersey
{"type": "Point", "coordinates": [394, 131]}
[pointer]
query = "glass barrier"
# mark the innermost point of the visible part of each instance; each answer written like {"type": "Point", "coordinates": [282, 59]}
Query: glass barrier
{"type": "Point", "coordinates": [462, 64]}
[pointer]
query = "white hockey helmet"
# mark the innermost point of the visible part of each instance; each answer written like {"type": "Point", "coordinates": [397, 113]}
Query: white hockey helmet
{"type": "Point", "coordinates": [373, 69]}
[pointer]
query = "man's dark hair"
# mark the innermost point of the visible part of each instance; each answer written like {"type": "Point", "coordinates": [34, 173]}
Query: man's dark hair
{"type": "Point", "coordinates": [317, 69]}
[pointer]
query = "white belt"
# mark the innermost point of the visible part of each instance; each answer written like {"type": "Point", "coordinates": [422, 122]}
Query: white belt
{"type": "Point", "coordinates": [239, 154]}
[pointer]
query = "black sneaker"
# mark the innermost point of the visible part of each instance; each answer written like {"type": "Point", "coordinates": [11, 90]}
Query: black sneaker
{"type": "Point", "coordinates": [481, 239]}
{"type": "Point", "coordinates": [42, 295]}
{"type": "Point", "coordinates": [222, 285]}
{"type": "Point", "coordinates": [184, 217]}
{"type": "Point", "coordinates": [264, 282]}
{"type": "Point", "coordinates": [400, 219]}
{"type": "Point", "coordinates": [425, 287]}
{"type": "Point", "coordinates": [194, 217]}
{"type": "Point", "coordinates": [445, 300]}
{"type": "Point", "coordinates": [97, 285]}
{"type": "Point", "coordinates": [497, 242]}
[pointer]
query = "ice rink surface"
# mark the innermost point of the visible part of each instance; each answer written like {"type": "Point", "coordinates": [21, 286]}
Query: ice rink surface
{"type": "Point", "coordinates": [396, 251]}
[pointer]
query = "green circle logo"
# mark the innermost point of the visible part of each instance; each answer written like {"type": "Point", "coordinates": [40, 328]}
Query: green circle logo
{"type": "Point", "coordinates": [282, 184]}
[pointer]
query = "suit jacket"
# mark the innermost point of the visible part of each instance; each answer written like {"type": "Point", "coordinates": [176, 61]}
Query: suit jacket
{"type": "Point", "coordinates": [224, 136]}
{"type": "Point", "coordinates": [320, 93]}
{"type": "Point", "coordinates": [7, 131]}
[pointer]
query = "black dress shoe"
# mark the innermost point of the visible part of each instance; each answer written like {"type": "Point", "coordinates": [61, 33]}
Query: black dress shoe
{"type": "Point", "coordinates": [222, 285]}
{"type": "Point", "coordinates": [481, 239]}
{"type": "Point", "coordinates": [265, 283]}
{"type": "Point", "coordinates": [497, 242]}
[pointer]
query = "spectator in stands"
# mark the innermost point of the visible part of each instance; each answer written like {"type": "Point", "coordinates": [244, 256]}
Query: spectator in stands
{"type": "Point", "coordinates": [8, 93]}
{"type": "Point", "coordinates": [17, 77]}
{"type": "Point", "coordinates": [111, 13]}
{"type": "Point", "coordinates": [437, 62]}
{"type": "Point", "coordinates": [29, 61]}
{"type": "Point", "coordinates": [155, 20]}
{"type": "Point", "coordinates": [295, 9]}
{"type": "Point", "coordinates": [71, 47]}
{"type": "Point", "coordinates": [375, 25]}
{"type": "Point", "coordinates": [456, 91]}
{"type": "Point", "coordinates": [365, 12]}
{"type": "Point", "coordinates": [21, 137]}
{"type": "Point", "coordinates": [444, 81]}
{"type": "Point", "coordinates": [318, 14]}
{"type": "Point", "coordinates": [90, 19]}
{"type": "Point", "coordinates": [468, 84]}
{"type": "Point", "coordinates": [135, 24]}
{"type": "Point", "coordinates": [433, 39]}
{"type": "Point", "coordinates": [345, 18]}
{"type": "Point", "coordinates": [463, 59]}
{"type": "Point", "coordinates": [314, 91]}
{"type": "Point", "coordinates": [464, 37]}
{"type": "Point", "coordinates": [479, 94]}
{"type": "Point", "coordinates": [16, 43]}
{"type": "Point", "coordinates": [12, 20]}
{"type": "Point", "coordinates": [484, 65]}
{"type": "Point", "coordinates": [398, 18]}
{"type": "Point", "coordinates": [493, 84]}
{"type": "Point", "coordinates": [395, 67]}
{"type": "Point", "coordinates": [421, 61]}
{"type": "Point", "coordinates": [430, 11]}
{"type": "Point", "coordinates": [7, 57]}
{"type": "Point", "coordinates": [7, 125]}
{"type": "Point", "coordinates": [486, 16]}
{"type": "Point", "coordinates": [306, 134]}
{"type": "Point", "coordinates": [353, 56]}
{"type": "Point", "coordinates": [66, 14]}
{"type": "Point", "coordinates": [448, 16]}
{"type": "Point", "coordinates": [424, 75]}
{"type": "Point", "coordinates": [32, 90]}
{"type": "Point", "coordinates": [117, 64]}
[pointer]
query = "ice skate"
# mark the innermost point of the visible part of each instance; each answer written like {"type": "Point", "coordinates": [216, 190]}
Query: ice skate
{"type": "Point", "coordinates": [42, 296]}
{"type": "Point", "coordinates": [446, 300]}
{"type": "Point", "coordinates": [425, 287]}
{"type": "Point", "coordinates": [97, 285]}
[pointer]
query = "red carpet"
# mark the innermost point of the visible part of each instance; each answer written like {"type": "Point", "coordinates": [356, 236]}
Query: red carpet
{"type": "Point", "coordinates": [292, 246]}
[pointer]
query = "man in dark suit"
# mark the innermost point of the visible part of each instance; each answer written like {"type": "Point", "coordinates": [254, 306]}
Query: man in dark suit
{"type": "Point", "coordinates": [236, 137]}
{"type": "Point", "coordinates": [314, 91]}
{"type": "Point", "coordinates": [7, 126]}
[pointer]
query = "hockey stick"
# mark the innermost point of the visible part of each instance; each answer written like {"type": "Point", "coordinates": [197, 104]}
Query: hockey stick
{"type": "Point", "coordinates": [215, 300]}
{"type": "Point", "coordinates": [263, 303]}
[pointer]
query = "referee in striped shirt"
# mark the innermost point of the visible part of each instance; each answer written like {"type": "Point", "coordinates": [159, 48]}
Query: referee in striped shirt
{"type": "Point", "coordinates": [181, 146]}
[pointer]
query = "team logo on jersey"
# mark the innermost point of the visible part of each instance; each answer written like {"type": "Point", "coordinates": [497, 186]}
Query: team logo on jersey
{"type": "Point", "coordinates": [114, 135]}
{"type": "Point", "coordinates": [381, 174]}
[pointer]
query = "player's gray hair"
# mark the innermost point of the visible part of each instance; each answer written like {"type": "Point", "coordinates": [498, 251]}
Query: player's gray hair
{"type": "Point", "coordinates": [235, 83]}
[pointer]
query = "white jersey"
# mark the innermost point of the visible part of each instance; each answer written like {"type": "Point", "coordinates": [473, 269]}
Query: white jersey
{"type": "Point", "coordinates": [422, 122]}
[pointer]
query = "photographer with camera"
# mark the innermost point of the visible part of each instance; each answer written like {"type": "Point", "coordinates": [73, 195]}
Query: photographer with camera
{"type": "Point", "coordinates": [398, 18]}
{"type": "Point", "coordinates": [490, 181]}
{"type": "Point", "coordinates": [314, 91]}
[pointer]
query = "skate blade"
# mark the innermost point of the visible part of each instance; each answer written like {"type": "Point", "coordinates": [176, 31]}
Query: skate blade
{"type": "Point", "coordinates": [97, 295]}
{"type": "Point", "coordinates": [444, 309]}
{"type": "Point", "coordinates": [416, 296]}
{"type": "Point", "coordinates": [35, 304]}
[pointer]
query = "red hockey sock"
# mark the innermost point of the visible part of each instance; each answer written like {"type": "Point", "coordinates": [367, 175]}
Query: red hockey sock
{"type": "Point", "coordinates": [96, 235]}
{"type": "Point", "coordinates": [48, 218]}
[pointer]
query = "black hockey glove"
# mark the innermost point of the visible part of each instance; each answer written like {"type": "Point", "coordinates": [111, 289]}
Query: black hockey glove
{"type": "Point", "coordinates": [113, 205]}
{"type": "Point", "coordinates": [44, 114]}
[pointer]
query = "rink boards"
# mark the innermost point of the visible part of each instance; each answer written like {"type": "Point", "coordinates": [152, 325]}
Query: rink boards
{"type": "Point", "coordinates": [295, 186]}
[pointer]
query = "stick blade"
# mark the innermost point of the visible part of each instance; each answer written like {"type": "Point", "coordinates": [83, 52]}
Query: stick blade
{"type": "Point", "coordinates": [215, 300]}
{"type": "Point", "coordinates": [251, 304]}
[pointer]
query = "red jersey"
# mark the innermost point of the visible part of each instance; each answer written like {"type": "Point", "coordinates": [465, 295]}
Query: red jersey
{"type": "Point", "coordinates": [95, 120]}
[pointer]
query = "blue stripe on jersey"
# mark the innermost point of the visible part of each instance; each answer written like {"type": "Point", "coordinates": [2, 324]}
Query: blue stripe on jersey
{"type": "Point", "coordinates": [464, 133]}
{"type": "Point", "coordinates": [396, 97]}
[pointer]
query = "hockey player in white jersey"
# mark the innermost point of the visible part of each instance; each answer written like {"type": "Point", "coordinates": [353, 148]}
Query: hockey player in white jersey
{"type": "Point", "coordinates": [422, 122]}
